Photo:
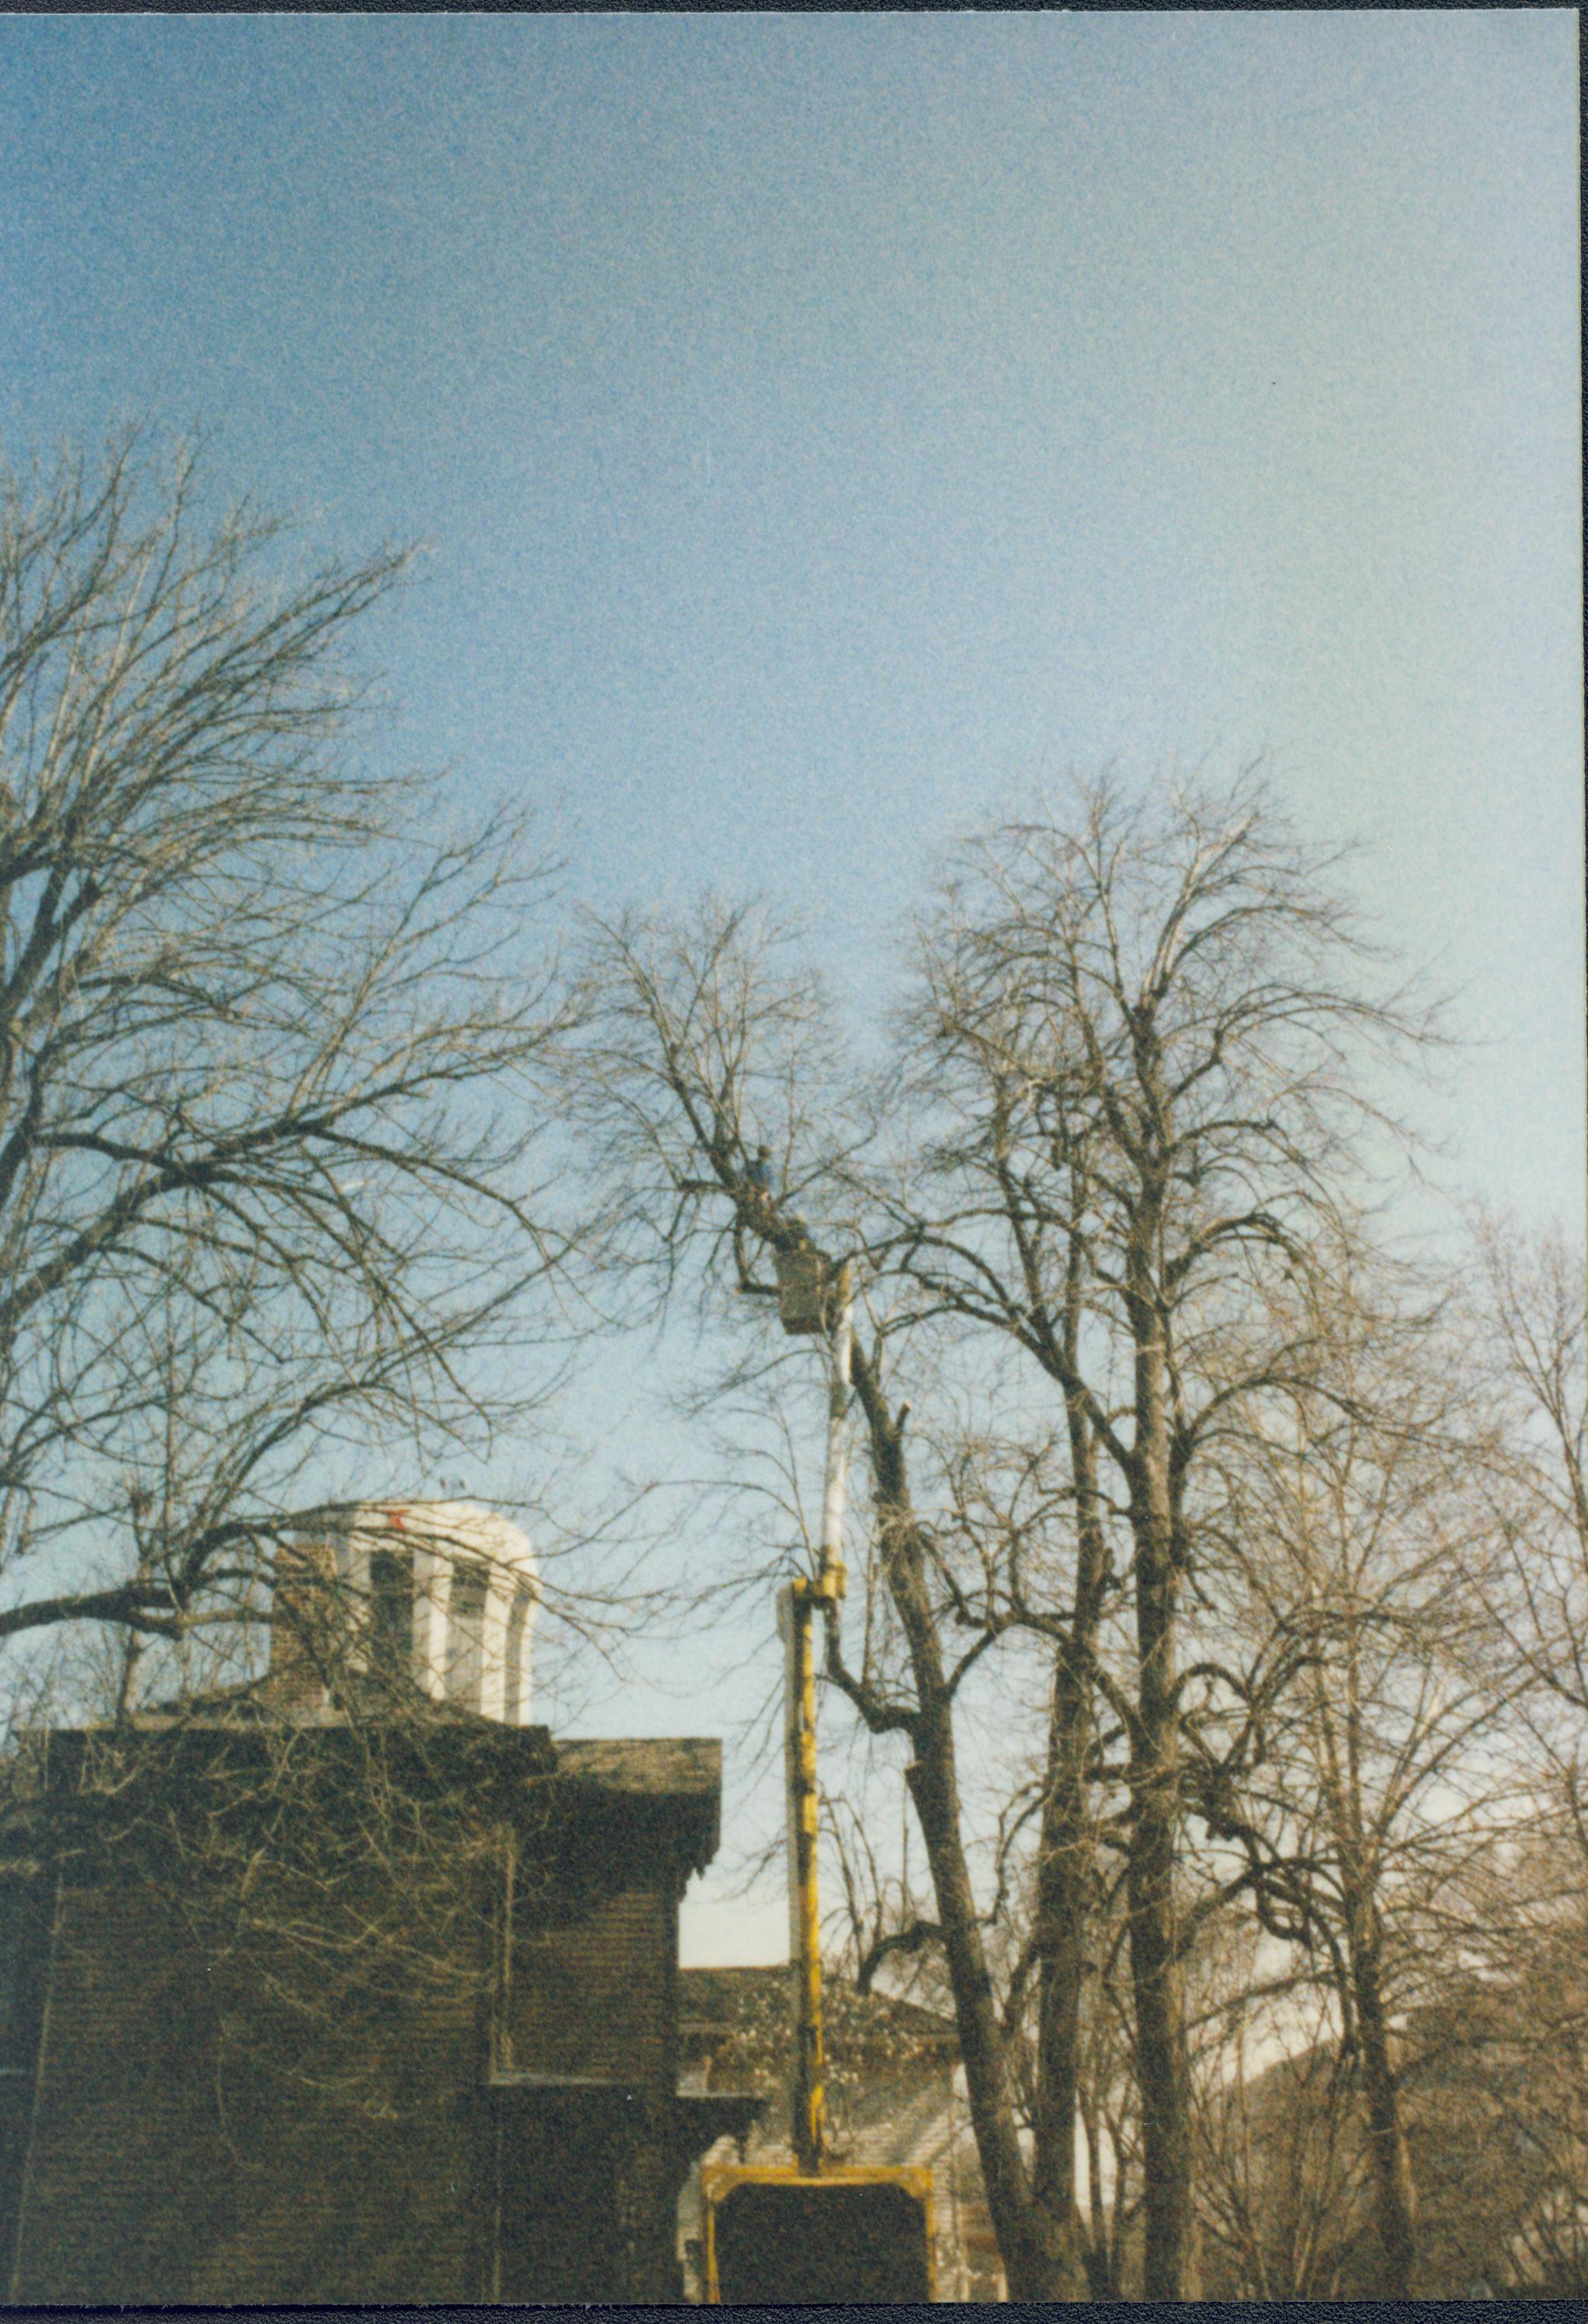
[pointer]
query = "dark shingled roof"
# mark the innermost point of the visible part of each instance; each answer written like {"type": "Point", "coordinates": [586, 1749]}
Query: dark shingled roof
{"type": "Point", "coordinates": [680, 1772]}
{"type": "Point", "coordinates": [678, 1778]}
{"type": "Point", "coordinates": [650, 1767]}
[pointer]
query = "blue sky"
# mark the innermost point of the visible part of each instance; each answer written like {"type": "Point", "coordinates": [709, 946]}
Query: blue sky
{"type": "Point", "coordinates": [823, 427]}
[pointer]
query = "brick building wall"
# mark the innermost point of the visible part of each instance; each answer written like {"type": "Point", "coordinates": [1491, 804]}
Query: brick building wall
{"type": "Point", "coordinates": [592, 1995]}
{"type": "Point", "coordinates": [168, 2162]}
{"type": "Point", "coordinates": [519, 2136]}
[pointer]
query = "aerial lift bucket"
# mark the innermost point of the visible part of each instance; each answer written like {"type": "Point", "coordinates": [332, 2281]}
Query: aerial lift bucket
{"type": "Point", "coordinates": [805, 1289]}
{"type": "Point", "coordinates": [849, 2236]}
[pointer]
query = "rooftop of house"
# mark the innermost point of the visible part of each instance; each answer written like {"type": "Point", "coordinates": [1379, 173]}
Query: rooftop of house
{"type": "Point", "coordinates": [679, 1773]}
{"type": "Point", "coordinates": [676, 1778]}
{"type": "Point", "coordinates": [725, 2002]}
{"type": "Point", "coordinates": [647, 1766]}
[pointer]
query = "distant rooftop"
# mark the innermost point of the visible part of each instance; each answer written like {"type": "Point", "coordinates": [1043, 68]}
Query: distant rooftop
{"type": "Point", "coordinates": [734, 2000]}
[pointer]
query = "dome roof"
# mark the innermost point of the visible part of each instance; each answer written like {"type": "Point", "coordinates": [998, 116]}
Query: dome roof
{"type": "Point", "coordinates": [455, 1529]}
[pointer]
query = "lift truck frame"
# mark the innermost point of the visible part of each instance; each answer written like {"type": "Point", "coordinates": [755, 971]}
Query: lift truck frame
{"type": "Point", "coordinates": [870, 2224]}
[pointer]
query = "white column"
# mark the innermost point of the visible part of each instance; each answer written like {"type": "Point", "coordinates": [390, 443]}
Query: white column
{"type": "Point", "coordinates": [432, 1607]}
{"type": "Point", "coordinates": [493, 1643]}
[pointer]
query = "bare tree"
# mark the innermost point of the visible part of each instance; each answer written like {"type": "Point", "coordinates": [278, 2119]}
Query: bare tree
{"type": "Point", "coordinates": [1419, 1876]}
{"type": "Point", "coordinates": [1489, 2078]}
{"type": "Point", "coordinates": [1500, 2126]}
{"type": "Point", "coordinates": [1532, 1309]}
{"type": "Point", "coordinates": [268, 1057]}
{"type": "Point", "coordinates": [1280, 2143]}
{"type": "Point", "coordinates": [1510, 2149]}
{"type": "Point", "coordinates": [1368, 1545]}
{"type": "Point", "coordinates": [705, 1056]}
{"type": "Point", "coordinates": [1130, 1092]}
{"type": "Point", "coordinates": [1146, 1045]}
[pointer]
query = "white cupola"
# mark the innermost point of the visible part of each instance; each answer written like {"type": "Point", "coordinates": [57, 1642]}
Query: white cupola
{"type": "Point", "coordinates": [440, 1593]}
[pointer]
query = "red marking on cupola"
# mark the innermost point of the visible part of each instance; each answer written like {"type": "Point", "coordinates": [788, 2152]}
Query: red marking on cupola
{"type": "Point", "coordinates": [396, 1519]}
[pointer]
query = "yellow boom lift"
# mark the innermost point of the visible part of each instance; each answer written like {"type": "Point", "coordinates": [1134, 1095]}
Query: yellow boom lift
{"type": "Point", "coordinates": [818, 2234]}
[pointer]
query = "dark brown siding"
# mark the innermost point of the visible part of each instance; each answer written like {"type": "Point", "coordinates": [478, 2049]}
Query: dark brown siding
{"type": "Point", "coordinates": [167, 2168]}
{"type": "Point", "coordinates": [179, 2156]}
{"type": "Point", "coordinates": [591, 1996]}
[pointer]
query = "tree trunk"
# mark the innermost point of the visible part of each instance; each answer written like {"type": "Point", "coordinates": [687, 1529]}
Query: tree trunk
{"type": "Point", "coordinates": [1394, 2193]}
{"type": "Point", "coordinates": [934, 1789]}
{"type": "Point", "coordinates": [1064, 1884]}
{"type": "Point", "coordinates": [1162, 2066]}
{"type": "Point", "coordinates": [933, 1792]}
{"type": "Point", "coordinates": [1066, 1867]}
